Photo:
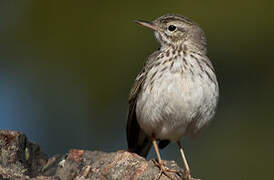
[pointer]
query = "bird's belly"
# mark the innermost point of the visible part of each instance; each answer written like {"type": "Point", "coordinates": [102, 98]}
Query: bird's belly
{"type": "Point", "coordinates": [175, 104]}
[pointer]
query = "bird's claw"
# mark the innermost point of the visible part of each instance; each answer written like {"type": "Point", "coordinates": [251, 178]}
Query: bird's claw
{"type": "Point", "coordinates": [164, 170]}
{"type": "Point", "coordinates": [187, 176]}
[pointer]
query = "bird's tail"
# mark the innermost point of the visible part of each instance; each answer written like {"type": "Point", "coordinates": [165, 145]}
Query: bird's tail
{"type": "Point", "coordinates": [141, 146]}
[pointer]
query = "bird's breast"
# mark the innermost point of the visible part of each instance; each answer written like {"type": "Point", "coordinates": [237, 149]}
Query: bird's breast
{"type": "Point", "coordinates": [173, 95]}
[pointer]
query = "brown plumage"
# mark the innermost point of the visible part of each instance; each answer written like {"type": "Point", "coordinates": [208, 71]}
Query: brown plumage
{"type": "Point", "coordinates": [176, 92]}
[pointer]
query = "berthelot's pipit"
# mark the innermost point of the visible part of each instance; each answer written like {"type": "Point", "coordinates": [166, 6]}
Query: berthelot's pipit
{"type": "Point", "coordinates": [176, 92]}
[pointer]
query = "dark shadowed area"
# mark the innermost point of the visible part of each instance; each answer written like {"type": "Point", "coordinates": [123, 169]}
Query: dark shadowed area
{"type": "Point", "coordinates": [66, 69]}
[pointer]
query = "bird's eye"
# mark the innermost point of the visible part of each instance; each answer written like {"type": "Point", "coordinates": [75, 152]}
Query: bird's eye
{"type": "Point", "coordinates": [171, 28]}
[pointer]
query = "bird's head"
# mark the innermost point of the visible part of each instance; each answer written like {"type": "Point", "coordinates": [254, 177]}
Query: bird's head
{"type": "Point", "coordinates": [175, 30]}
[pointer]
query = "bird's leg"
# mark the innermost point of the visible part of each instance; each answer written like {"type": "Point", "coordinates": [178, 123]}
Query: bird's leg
{"type": "Point", "coordinates": [163, 170]}
{"type": "Point", "coordinates": [187, 170]}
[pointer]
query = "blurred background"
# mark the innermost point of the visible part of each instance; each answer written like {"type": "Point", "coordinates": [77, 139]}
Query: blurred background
{"type": "Point", "coordinates": [66, 69]}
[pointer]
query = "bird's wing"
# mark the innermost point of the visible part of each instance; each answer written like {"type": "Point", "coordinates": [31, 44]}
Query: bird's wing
{"type": "Point", "coordinates": [138, 141]}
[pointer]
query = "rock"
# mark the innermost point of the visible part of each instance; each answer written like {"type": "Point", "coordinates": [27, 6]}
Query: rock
{"type": "Point", "coordinates": [18, 156]}
{"type": "Point", "coordinates": [21, 159]}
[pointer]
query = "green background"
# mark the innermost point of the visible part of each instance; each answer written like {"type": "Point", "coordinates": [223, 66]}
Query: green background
{"type": "Point", "coordinates": [66, 68]}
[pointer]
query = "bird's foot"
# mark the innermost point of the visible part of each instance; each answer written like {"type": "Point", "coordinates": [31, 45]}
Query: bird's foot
{"type": "Point", "coordinates": [187, 176]}
{"type": "Point", "coordinates": [164, 170]}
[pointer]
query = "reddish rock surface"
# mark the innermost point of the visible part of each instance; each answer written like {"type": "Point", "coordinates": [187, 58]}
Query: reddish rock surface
{"type": "Point", "coordinates": [22, 159]}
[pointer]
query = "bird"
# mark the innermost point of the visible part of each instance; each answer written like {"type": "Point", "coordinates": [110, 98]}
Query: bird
{"type": "Point", "coordinates": [176, 92]}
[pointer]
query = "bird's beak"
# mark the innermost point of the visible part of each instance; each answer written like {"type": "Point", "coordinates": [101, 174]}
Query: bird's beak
{"type": "Point", "coordinates": [147, 24]}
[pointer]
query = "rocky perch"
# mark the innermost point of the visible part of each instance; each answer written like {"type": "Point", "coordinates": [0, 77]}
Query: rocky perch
{"type": "Point", "coordinates": [22, 159]}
